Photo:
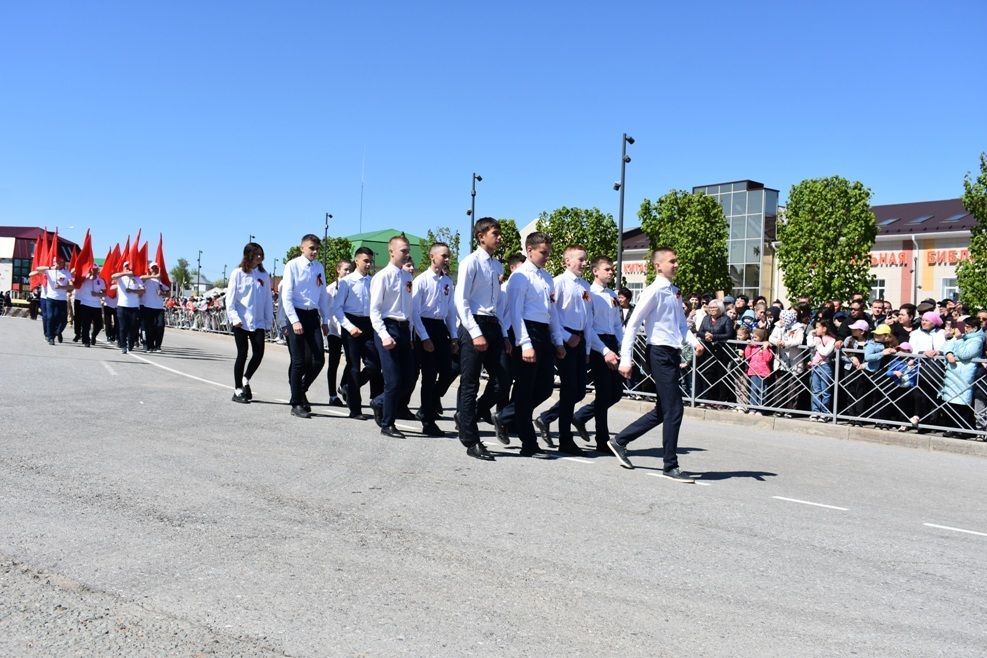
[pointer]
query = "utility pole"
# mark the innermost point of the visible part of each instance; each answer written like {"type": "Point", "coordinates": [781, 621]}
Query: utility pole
{"type": "Point", "coordinates": [198, 275]}
{"type": "Point", "coordinates": [624, 159]}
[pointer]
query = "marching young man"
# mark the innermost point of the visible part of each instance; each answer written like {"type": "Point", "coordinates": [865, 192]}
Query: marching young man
{"type": "Point", "coordinates": [334, 341]}
{"type": "Point", "coordinates": [352, 310]}
{"type": "Point", "coordinates": [538, 339]}
{"type": "Point", "coordinates": [434, 314]}
{"type": "Point", "coordinates": [152, 308]}
{"type": "Point", "coordinates": [607, 382]}
{"type": "Point", "coordinates": [665, 326]}
{"type": "Point", "coordinates": [493, 400]}
{"type": "Point", "coordinates": [129, 291]}
{"type": "Point", "coordinates": [55, 309]}
{"type": "Point", "coordinates": [306, 305]}
{"type": "Point", "coordinates": [90, 315]}
{"type": "Point", "coordinates": [390, 317]}
{"type": "Point", "coordinates": [482, 338]}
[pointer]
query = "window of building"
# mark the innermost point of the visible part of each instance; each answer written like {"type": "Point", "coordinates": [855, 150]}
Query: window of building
{"type": "Point", "coordinates": [878, 288]}
{"type": "Point", "coordinates": [636, 289]}
{"type": "Point", "coordinates": [19, 275]}
{"type": "Point", "coordinates": [950, 290]}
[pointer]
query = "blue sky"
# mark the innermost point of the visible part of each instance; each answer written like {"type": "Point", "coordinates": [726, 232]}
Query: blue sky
{"type": "Point", "coordinates": [212, 121]}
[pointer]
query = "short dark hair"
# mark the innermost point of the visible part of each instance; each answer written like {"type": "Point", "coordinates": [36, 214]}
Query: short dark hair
{"type": "Point", "coordinates": [313, 238]}
{"type": "Point", "coordinates": [483, 225]}
{"type": "Point", "coordinates": [664, 249]}
{"type": "Point", "coordinates": [515, 259]}
{"type": "Point", "coordinates": [972, 321]}
{"type": "Point", "coordinates": [625, 292]}
{"type": "Point", "coordinates": [746, 299]}
{"type": "Point", "coordinates": [364, 250]}
{"type": "Point", "coordinates": [536, 238]}
{"type": "Point", "coordinates": [911, 309]}
{"type": "Point", "coordinates": [599, 260]}
{"type": "Point", "coordinates": [437, 244]}
{"type": "Point", "coordinates": [343, 260]}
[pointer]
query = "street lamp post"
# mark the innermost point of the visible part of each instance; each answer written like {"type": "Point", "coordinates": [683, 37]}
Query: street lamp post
{"type": "Point", "coordinates": [252, 238]}
{"type": "Point", "coordinates": [619, 186]}
{"type": "Point", "coordinates": [472, 211]}
{"type": "Point", "coordinates": [274, 272]}
{"type": "Point", "coordinates": [198, 274]}
{"type": "Point", "coordinates": [325, 239]}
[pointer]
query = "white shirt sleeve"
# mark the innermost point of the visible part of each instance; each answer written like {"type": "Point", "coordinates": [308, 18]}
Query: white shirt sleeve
{"type": "Point", "coordinates": [417, 295]}
{"type": "Point", "coordinates": [645, 305]}
{"type": "Point", "coordinates": [288, 289]}
{"type": "Point", "coordinates": [231, 291]}
{"type": "Point", "coordinates": [466, 276]}
{"type": "Point", "coordinates": [376, 302]}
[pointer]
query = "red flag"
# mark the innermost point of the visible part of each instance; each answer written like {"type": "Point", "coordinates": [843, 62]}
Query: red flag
{"type": "Point", "coordinates": [39, 257]}
{"type": "Point", "coordinates": [53, 251]}
{"type": "Point", "coordinates": [84, 262]}
{"type": "Point", "coordinates": [73, 261]}
{"type": "Point", "coordinates": [112, 263]}
{"type": "Point", "coordinates": [141, 261]}
{"type": "Point", "coordinates": [125, 254]}
{"type": "Point", "coordinates": [160, 260]}
{"type": "Point", "coordinates": [133, 254]}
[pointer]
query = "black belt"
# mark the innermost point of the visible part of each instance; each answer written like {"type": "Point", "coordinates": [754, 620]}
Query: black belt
{"type": "Point", "coordinates": [433, 321]}
{"type": "Point", "coordinates": [578, 332]}
{"type": "Point", "coordinates": [485, 319]}
{"type": "Point", "coordinates": [306, 311]}
{"type": "Point", "coordinates": [539, 325]}
{"type": "Point", "coordinates": [602, 336]}
{"type": "Point", "coordinates": [395, 321]}
{"type": "Point", "coordinates": [357, 319]}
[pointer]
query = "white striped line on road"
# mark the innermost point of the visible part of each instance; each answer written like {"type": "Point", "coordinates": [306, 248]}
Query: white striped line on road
{"type": "Point", "coordinates": [806, 502]}
{"type": "Point", "coordinates": [578, 460]}
{"type": "Point", "coordinates": [946, 527]}
{"type": "Point", "coordinates": [179, 372]}
{"type": "Point", "coordinates": [109, 369]}
{"type": "Point", "coordinates": [694, 481]}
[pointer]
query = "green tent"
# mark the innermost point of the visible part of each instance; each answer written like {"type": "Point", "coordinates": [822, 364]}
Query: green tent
{"type": "Point", "coordinates": [377, 240]}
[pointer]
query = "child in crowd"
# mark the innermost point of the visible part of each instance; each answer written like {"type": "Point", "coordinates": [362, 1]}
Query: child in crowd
{"type": "Point", "coordinates": [822, 343]}
{"type": "Point", "coordinates": [903, 372]}
{"type": "Point", "coordinates": [758, 356]}
{"type": "Point", "coordinates": [741, 385]}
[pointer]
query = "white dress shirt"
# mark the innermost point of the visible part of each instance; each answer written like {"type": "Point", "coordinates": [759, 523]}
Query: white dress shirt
{"type": "Point", "coordinates": [574, 306]}
{"type": "Point", "coordinates": [663, 317]}
{"type": "Point", "coordinates": [353, 297]}
{"type": "Point", "coordinates": [89, 292]}
{"type": "Point", "coordinates": [333, 323]}
{"type": "Point", "coordinates": [55, 278]}
{"type": "Point", "coordinates": [390, 298]}
{"type": "Point", "coordinates": [128, 291]}
{"type": "Point", "coordinates": [606, 314]}
{"type": "Point", "coordinates": [432, 297]}
{"type": "Point", "coordinates": [154, 292]}
{"type": "Point", "coordinates": [304, 288]}
{"type": "Point", "coordinates": [530, 293]}
{"type": "Point", "coordinates": [249, 302]}
{"type": "Point", "coordinates": [503, 313]}
{"type": "Point", "coordinates": [478, 290]}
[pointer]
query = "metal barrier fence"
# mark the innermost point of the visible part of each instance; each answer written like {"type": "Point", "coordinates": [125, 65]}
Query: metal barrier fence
{"type": "Point", "coordinates": [929, 394]}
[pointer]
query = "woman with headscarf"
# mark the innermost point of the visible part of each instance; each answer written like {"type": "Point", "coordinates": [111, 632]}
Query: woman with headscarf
{"type": "Point", "coordinates": [788, 339]}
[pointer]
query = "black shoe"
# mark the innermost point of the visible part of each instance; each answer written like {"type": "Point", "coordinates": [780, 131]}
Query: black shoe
{"type": "Point", "coordinates": [439, 410]}
{"type": "Point", "coordinates": [124, 349]}
{"type": "Point", "coordinates": [51, 341]}
{"type": "Point", "coordinates": [334, 401]}
{"type": "Point", "coordinates": [581, 428]}
{"type": "Point", "coordinates": [378, 413]}
{"type": "Point", "coordinates": [677, 475]}
{"type": "Point", "coordinates": [59, 338]}
{"type": "Point", "coordinates": [479, 451]}
{"type": "Point", "coordinates": [620, 453]}
{"type": "Point", "coordinates": [534, 453]}
{"type": "Point", "coordinates": [405, 414]}
{"type": "Point", "coordinates": [342, 392]}
{"type": "Point", "coordinates": [87, 344]}
{"type": "Point", "coordinates": [571, 449]}
{"type": "Point", "coordinates": [500, 430]}
{"type": "Point", "coordinates": [359, 415]}
{"type": "Point", "coordinates": [431, 429]}
{"type": "Point", "coordinates": [306, 404]}
{"type": "Point", "coordinates": [247, 393]}
{"type": "Point", "coordinates": [76, 339]}
{"type": "Point", "coordinates": [392, 432]}
{"type": "Point", "coordinates": [241, 398]}
{"type": "Point", "coordinates": [300, 412]}
{"type": "Point", "coordinates": [543, 430]}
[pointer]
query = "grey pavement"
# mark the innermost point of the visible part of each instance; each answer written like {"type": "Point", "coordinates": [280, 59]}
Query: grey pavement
{"type": "Point", "coordinates": [144, 513]}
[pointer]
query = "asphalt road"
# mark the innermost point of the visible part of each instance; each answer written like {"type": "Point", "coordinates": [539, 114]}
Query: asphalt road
{"type": "Point", "coordinates": [144, 513]}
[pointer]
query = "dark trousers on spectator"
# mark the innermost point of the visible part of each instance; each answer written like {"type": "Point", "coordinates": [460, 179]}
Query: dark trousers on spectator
{"type": "Point", "coordinates": [471, 362]}
{"type": "Point", "coordinates": [334, 344]}
{"type": "Point", "coordinates": [153, 321]}
{"type": "Point", "coordinates": [307, 355]}
{"type": "Point", "coordinates": [57, 317]}
{"type": "Point", "coordinates": [436, 367]}
{"type": "Point", "coordinates": [110, 323]}
{"type": "Point", "coordinates": [494, 397]}
{"type": "Point", "coordinates": [128, 323]}
{"type": "Point", "coordinates": [926, 394]}
{"type": "Point", "coordinates": [668, 405]}
{"type": "Point", "coordinates": [608, 388]}
{"type": "Point", "coordinates": [255, 340]}
{"type": "Point", "coordinates": [397, 366]}
{"type": "Point", "coordinates": [89, 321]}
{"type": "Point", "coordinates": [572, 389]}
{"type": "Point", "coordinates": [362, 363]}
{"type": "Point", "coordinates": [533, 384]}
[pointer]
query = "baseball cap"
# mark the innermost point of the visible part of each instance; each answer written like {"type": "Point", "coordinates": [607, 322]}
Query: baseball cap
{"type": "Point", "coordinates": [860, 325]}
{"type": "Point", "coordinates": [882, 330]}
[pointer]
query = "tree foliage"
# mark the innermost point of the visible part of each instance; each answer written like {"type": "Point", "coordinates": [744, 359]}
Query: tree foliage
{"type": "Point", "coordinates": [441, 234]}
{"type": "Point", "coordinates": [694, 225]}
{"type": "Point", "coordinates": [971, 275]}
{"type": "Point", "coordinates": [826, 239]}
{"type": "Point", "coordinates": [510, 240]}
{"type": "Point", "coordinates": [590, 227]}
{"type": "Point", "coordinates": [181, 276]}
{"type": "Point", "coordinates": [331, 251]}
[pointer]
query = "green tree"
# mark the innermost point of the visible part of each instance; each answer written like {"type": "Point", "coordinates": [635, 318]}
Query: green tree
{"type": "Point", "coordinates": [590, 227]}
{"type": "Point", "coordinates": [181, 276]}
{"type": "Point", "coordinates": [694, 225]}
{"type": "Point", "coordinates": [971, 275]}
{"type": "Point", "coordinates": [441, 234]}
{"type": "Point", "coordinates": [331, 252]}
{"type": "Point", "coordinates": [510, 240]}
{"type": "Point", "coordinates": [826, 239]}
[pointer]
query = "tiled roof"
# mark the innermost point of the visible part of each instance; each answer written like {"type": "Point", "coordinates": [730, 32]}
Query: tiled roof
{"type": "Point", "coordinates": [923, 217]}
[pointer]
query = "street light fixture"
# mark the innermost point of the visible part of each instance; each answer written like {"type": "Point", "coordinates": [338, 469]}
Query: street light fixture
{"type": "Point", "coordinates": [325, 239]}
{"type": "Point", "coordinates": [619, 187]}
{"type": "Point", "coordinates": [252, 238]}
{"type": "Point", "coordinates": [198, 274]}
{"type": "Point", "coordinates": [472, 211]}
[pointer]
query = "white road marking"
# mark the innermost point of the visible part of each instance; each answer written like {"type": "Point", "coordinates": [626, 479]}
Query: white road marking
{"type": "Point", "coordinates": [109, 369]}
{"type": "Point", "coordinates": [406, 428]}
{"type": "Point", "coordinates": [694, 481]}
{"type": "Point", "coordinates": [946, 527]}
{"type": "Point", "coordinates": [578, 460]}
{"type": "Point", "coordinates": [179, 372]}
{"type": "Point", "coordinates": [806, 502]}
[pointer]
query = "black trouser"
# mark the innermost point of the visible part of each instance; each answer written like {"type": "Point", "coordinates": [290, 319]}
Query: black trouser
{"type": "Point", "coordinates": [334, 345]}
{"type": "Point", "coordinates": [471, 362]}
{"type": "Point", "coordinates": [668, 404]}
{"type": "Point", "coordinates": [362, 363]}
{"type": "Point", "coordinates": [153, 321]}
{"type": "Point", "coordinates": [44, 315]}
{"type": "Point", "coordinates": [76, 320]}
{"type": "Point", "coordinates": [925, 397]}
{"type": "Point", "coordinates": [436, 366]}
{"type": "Point", "coordinates": [397, 365]}
{"type": "Point", "coordinates": [533, 384]}
{"type": "Point", "coordinates": [492, 395]}
{"type": "Point", "coordinates": [243, 338]}
{"type": "Point", "coordinates": [57, 310]}
{"type": "Point", "coordinates": [89, 321]}
{"type": "Point", "coordinates": [305, 366]}
{"type": "Point", "coordinates": [608, 388]}
{"type": "Point", "coordinates": [572, 388]}
{"type": "Point", "coordinates": [128, 322]}
{"type": "Point", "coordinates": [110, 323]}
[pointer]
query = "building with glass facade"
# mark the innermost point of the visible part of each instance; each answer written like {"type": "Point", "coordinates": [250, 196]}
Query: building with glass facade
{"type": "Point", "coordinates": [752, 215]}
